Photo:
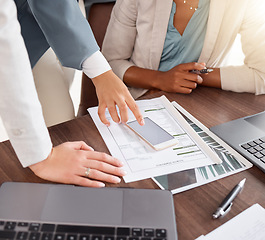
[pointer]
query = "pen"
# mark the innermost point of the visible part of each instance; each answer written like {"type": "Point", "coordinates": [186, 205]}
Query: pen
{"type": "Point", "coordinates": [205, 70]}
{"type": "Point", "coordinates": [227, 202]}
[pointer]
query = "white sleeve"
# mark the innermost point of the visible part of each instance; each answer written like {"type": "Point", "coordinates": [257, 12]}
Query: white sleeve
{"type": "Point", "coordinates": [20, 108]}
{"type": "Point", "coordinates": [249, 77]}
{"type": "Point", "coordinates": [95, 65]}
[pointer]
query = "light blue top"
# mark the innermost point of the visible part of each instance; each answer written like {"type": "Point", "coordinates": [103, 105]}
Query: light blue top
{"type": "Point", "coordinates": [186, 48]}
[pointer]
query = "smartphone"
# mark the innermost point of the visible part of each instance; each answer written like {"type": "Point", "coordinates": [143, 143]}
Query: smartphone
{"type": "Point", "coordinates": [153, 134]}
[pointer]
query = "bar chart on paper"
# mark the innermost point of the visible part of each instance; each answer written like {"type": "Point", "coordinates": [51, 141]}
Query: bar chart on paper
{"type": "Point", "coordinates": [232, 162]}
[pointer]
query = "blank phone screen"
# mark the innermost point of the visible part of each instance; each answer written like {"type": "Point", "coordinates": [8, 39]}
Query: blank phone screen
{"type": "Point", "coordinates": [151, 131]}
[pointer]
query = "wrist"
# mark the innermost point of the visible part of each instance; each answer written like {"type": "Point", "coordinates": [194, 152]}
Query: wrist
{"type": "Point", "coordinates": [212, 79]}
{"type": "Point", "coordinates": [39, 166]}
{"type": "Point", "coordinates": [142, 78]}
{"type": "Point", "coordinates": [156, 82]}
{"type": "Point", "coordinates": [107, 76]}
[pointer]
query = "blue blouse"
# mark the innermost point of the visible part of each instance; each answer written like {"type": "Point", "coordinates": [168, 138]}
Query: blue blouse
{"type": "Point", "coordinates": [188, 46]}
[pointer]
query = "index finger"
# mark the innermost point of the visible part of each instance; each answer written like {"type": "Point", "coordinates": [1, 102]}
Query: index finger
{"type": "Point", "coordinates": [136, 111]}
{"type": "Point", "coordinates": [192, 66]}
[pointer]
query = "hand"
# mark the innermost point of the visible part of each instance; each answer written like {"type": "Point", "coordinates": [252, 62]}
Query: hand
{"type": "Point", "coordinates": [179, 79]}
{"type": "Point", "coordinates": [68, 162]}
{"type": "Point", "coordinates": [111, 91]}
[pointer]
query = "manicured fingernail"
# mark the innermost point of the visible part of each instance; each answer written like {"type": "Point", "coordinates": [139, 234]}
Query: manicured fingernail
{"type": "Point", "coordinates": [200, 80]}
{"type": "Point", "coordinates": [116, 179]}
{"type": "Point", "coordinates": [101, 184]}
{"type": "Point", "coordinates": [142, 122]}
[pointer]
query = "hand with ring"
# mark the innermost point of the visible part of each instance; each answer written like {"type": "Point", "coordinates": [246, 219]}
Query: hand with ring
{"type": "Point", "coordinates": [87, 172]}
{"type": "Point", "coordinates": [77, 163]}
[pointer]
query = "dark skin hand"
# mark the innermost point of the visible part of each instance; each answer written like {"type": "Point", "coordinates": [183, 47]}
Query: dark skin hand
{"type": "Point", "coordinates": [178, 79]}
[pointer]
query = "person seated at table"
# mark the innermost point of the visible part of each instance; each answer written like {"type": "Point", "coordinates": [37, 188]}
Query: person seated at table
{"type": "Point", "coordinates": [154, 44]}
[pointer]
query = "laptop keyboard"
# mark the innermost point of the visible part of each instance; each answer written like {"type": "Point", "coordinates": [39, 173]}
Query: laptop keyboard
{"type": "Point", "coordinates": [256, 148]}
{"type": "Point", "coordinates": [49, 231]}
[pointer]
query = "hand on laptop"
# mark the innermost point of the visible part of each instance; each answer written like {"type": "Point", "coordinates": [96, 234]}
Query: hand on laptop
{"type": "Point", "coordinates": [68, 163]}
{"type": "Point", "coordinates": [111, 91]}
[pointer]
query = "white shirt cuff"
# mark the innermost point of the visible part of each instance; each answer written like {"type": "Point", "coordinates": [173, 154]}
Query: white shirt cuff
{"type": "Point", "coordinates": [95, 65]}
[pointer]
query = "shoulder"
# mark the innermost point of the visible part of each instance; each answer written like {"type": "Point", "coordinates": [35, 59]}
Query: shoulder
{"type": "Point", "coordinates": [135, 5]}
{"type": "Point", "coordinates": [247, 5]}
{"type": "Point", "coordinates": [130, 10]}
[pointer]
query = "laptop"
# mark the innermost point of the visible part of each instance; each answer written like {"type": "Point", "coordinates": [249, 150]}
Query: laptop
{"type": "Point", "coordinates": [247, 136]}
{"type": "Point", "coordinates": [64, 212]}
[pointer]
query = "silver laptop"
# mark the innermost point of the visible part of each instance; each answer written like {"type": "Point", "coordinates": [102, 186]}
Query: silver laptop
{"type": "Point", "coordinates": [63, 212]}
{"type": "Point", "coordinates": [247, 136]}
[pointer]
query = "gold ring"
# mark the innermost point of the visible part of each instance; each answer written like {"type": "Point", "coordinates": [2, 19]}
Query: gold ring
{"type": "Point", "coordinates": [87, 172]}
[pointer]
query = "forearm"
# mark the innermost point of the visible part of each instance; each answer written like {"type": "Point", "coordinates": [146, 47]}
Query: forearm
{"type": "Point", "coordinates": [141, 78]}
{"type": "Point", "coordinates": [212, 79]}
{"type": "Point", "coordinates": [171, 81]}
{"type": "Point", "coordinates": [19, 105]}
{"type": "Point", "coordinates": [243, 79]}
{"type": "Point", "coordinates": [236, 79]}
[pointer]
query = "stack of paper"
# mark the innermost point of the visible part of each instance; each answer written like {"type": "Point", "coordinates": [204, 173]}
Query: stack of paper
{"type": "Point", "coordinates": [249, 224]}
{"type": "Point", "coordinates": [232, 161]}
{"type": "Point", "coordinates": [140, 160]}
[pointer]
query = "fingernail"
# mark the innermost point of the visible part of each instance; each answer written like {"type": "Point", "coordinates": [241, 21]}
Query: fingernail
{"type": "Point", "coordinates": [107, 124]}
{"type": "Point", "coordinates": [101, 184]}
{"type": "Point", "coordinates": [92, 149]}
{"type": "Point", "coordinates": [142, 122]}
{"type": "Point", "coordinates": [116, 179]}
{"type": "Point", "coordinates": [200, 80]}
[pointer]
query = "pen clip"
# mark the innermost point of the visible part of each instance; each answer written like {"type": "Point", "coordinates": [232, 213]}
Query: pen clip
{"type": "Point", "coordinates": [225, 211]}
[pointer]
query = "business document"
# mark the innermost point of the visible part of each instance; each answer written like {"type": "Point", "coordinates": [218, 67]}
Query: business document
{"type": "Point", "coordinates": [250, 224]}
{"type": "Point", "coordinates": [140, 160]}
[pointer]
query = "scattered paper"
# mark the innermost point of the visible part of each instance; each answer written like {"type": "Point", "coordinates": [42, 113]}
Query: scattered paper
{"type": "Point", "coordinates": [250, 224]}
{"type": "Point", "coordinates": [140, 160]}
{"type": "Point", "coordinates": [232, 161]}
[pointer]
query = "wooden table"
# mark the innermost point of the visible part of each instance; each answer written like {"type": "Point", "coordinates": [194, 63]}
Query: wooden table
{"type": "Point", "coordinates": [193, 208]}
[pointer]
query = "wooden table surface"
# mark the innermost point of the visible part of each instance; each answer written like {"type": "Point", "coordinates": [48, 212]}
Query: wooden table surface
{"type": "Point", "coordinates": [194, 207]}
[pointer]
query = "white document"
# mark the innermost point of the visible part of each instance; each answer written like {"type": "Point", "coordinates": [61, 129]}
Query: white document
{"type": "Point", "coordinates": [250, 224]}
{"type": "Point", "coordinates": [232, 161]}
{"type": "Point", "coordinates": [140, 160]}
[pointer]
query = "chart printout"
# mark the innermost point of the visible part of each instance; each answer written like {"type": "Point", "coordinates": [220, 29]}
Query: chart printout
{"type": "Point", "coordinates": [140, 160]}
{"type": "Point", "coordinates": [232, 162]}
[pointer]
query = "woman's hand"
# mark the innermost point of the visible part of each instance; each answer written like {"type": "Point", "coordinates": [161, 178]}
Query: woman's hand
{"type": "Point", "coordinates": [69, 162]}
{"type": "Point", "coordinates": [179, 79]}
{"type": "Point", "coordinates": [111, 91]}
